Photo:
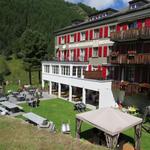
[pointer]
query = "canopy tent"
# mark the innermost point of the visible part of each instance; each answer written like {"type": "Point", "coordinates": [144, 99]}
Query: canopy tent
{"type": "Point", "coordinates": [112, 122]}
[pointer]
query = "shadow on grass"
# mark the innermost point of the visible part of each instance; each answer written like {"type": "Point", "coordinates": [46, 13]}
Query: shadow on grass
{"type": "Point", "coordinates": [96, 136]}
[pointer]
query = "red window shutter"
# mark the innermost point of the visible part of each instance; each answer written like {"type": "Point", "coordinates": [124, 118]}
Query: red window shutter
{"type": "Point", "coordinates": [68, 54]}
{"type": "Point", "coordinates": [100, 51]}
{"type": "Point", "coordinates": [87, 35]}
{"type": "Point", "coordinates": [68, 38]}
{"type": "Point", "coordinates": [147, 22]}
{"type": "Point", "coordinates": [65, 39]}
{"type": "Point", "coordinates": [105, 51]}
{"type": "Point", "coordinates": [86, 54]}
{"type": "Point", "coordinates": [75, 54]}
{"type": "Point", "coordinates": [90, 52]}
{"type": "Point", "coordinates": [139, 24]}
{"type": "Point", "coordinates": [99, 67]}
{"type": "Point", "coordinates": [89, 67]}
{"type": "Point", "coordinates": [106, 32]}
{"type": "Point", "coordinates": [59, 40]}
{"type": "Point", "coordinates": [125, 27]}
{"type": "Point", "coordinates": [101, 32]}
{"type": "Point", "coordinates": [78, 54]}
{"type": "Point", "coordinates": [65, 56]}
{"type": "Point", "coordinates": [104, 72]}
{"type": "Point", "coordinates": [59, 55]}
{"type": "Point", "coordinates": [75, 37]}
{"type": "Point", "coordinates": [78, 36]}
{"type": "Point", "coordinates": [118, 28]}
{"type": "Point", "coordinates": [91, 34]}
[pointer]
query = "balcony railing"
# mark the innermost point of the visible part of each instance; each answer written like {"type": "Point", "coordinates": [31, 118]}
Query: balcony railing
{"type": "Point", "coordinates": [130, 59]}
{"type": "Point", "coordinates": [131, 34]}
{"type": "Point", "coordinates": [131, 88]}
{"type": "Point", "coordinates": [97, 75]}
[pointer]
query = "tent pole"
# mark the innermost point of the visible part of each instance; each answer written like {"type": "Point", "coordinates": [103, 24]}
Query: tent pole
{"type": "Point", "coordinates": [111, 141]}
{"type": "Point", "coordinates": [137, 137]}
{"type": "Point", "coordinates": [78, 127]}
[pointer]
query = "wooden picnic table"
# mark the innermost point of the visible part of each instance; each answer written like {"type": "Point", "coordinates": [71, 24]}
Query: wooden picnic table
{"type": "Point", "coordinates": [3, 99]}
{"type": "Point", "coordinates": [11, 107]}
{"type": "Point", "coordinates": [36, 119]}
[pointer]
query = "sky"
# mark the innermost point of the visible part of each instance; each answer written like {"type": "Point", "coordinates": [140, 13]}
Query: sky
{"type": "Point", "coordinates": [103, 4]}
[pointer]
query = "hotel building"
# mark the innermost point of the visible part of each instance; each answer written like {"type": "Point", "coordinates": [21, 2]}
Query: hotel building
{"type": "Point", "coordinates": [100, 59]}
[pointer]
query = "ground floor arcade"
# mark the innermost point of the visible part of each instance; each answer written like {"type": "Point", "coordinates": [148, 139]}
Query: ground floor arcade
{"type": "Point", "coordinates": [93, 93]}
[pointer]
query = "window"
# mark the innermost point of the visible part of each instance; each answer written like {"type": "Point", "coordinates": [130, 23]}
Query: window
{"type": "Point", "coordinates": [131, 74]}
{"type": "Point", "coordinates": [95, 52]}
{"type": "Point", "coordinates": [112, 28]}
{"type": "Point", "coordinates": [96, 33]}
{"type": "Point", "coordinates": [72, 38]}
{"type": "Point", "coordinates": [133, 6]}
{"type": "Point", "coordinates": [132, 25]}
{"type": "Point", "coordinates": [55, 69]}
{"type": "Point", "coordinates": [46, 68]}
{"type": "Point", "coordinates": [65, 70]}
{"type": "Point", "coordinates": [63, 40]}
{"type": "Point", "coordinates": [74, 71]}
{"type": "Point", "coordinates": [82, 55]}
{"type": "Point", "coordinates": [83, 37]}
{"type": "Point", "coordinates": [71, 55]}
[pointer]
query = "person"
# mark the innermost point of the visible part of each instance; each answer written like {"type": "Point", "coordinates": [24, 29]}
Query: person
{"type": "Point", "coordinates": [38, 102]}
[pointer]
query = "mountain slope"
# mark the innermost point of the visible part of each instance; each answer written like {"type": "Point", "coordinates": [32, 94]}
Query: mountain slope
{"type": "Point", "coordinates": [44, 16]}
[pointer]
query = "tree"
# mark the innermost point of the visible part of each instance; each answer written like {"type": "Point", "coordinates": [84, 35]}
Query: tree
{"type": "Point", "coordinates": [34, 50]}
{"type": "Point", "coordinates": [4, 71]}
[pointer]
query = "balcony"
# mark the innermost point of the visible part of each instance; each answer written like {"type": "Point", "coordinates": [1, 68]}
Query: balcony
{"type": "Point", "coordinates": [132, 34]}
{"type": "Point", "coordinates": [130, 58]}
{"type": "Point", "coordinates": [145, 33]}
{"type": "Point", "coordinates": [97, 60]}
{"type": "Point", "coordinates": [131, 88]}
{"type": "Point", "coordinates": [96, 75]}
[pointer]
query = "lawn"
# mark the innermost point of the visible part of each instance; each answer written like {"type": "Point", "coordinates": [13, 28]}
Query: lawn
{"type": "Point", "coordinates": [60, 111]}
{"type": "Point", "coordinates": [16, 134]}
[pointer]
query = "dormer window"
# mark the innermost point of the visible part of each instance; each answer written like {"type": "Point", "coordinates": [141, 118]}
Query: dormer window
{"type": "Point", "coordinates": [134, 4]}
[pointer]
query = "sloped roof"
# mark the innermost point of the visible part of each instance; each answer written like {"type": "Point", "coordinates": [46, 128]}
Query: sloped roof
{"type": "Point", "coordinates": [109, 120]}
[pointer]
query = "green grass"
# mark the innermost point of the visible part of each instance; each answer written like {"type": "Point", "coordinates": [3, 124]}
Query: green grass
{"type": "Point", "coordinates": [18, 73]}
{"type": "Point", "coordinates": [16, 134]}
{"type": "Point", "coordinates": [58, 111]}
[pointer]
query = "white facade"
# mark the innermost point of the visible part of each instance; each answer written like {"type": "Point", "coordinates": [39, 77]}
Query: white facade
{"type": "Point", "coordinates": [103, 87]}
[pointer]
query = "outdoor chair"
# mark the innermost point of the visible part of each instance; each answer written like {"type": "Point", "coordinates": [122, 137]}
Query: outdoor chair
{"type": "Point", "coordinates": [80, 107]}
{"type": "Point", "coordinates": [65, 128]}
{"type": "Point", "coordinates": [52, 127]}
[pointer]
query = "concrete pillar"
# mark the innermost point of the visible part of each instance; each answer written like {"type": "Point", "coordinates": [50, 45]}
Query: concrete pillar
{"type": "Point", "coordinates": [70, 93]}
{"type": "Point", "coordinates": [50, 69]}
{"type": "Point", "coordinates": [59, 69]}
{"type": "Point", "coordinates": [76, 71]}
{"type": "Point", "coordinates": [59, 90]}
{"type": "Point", "coordinates": [82, 76]}
{"type": "Point", "coordinates": [99, 99]}
{"type": "Point", "coordinates": [84, 95]}
{"type": "Point", "coordinates": [71, 70]}
{"type": "Point", "coordinates": [50, 88]}
{"type": "Point", "coordinates": [42, 84]}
